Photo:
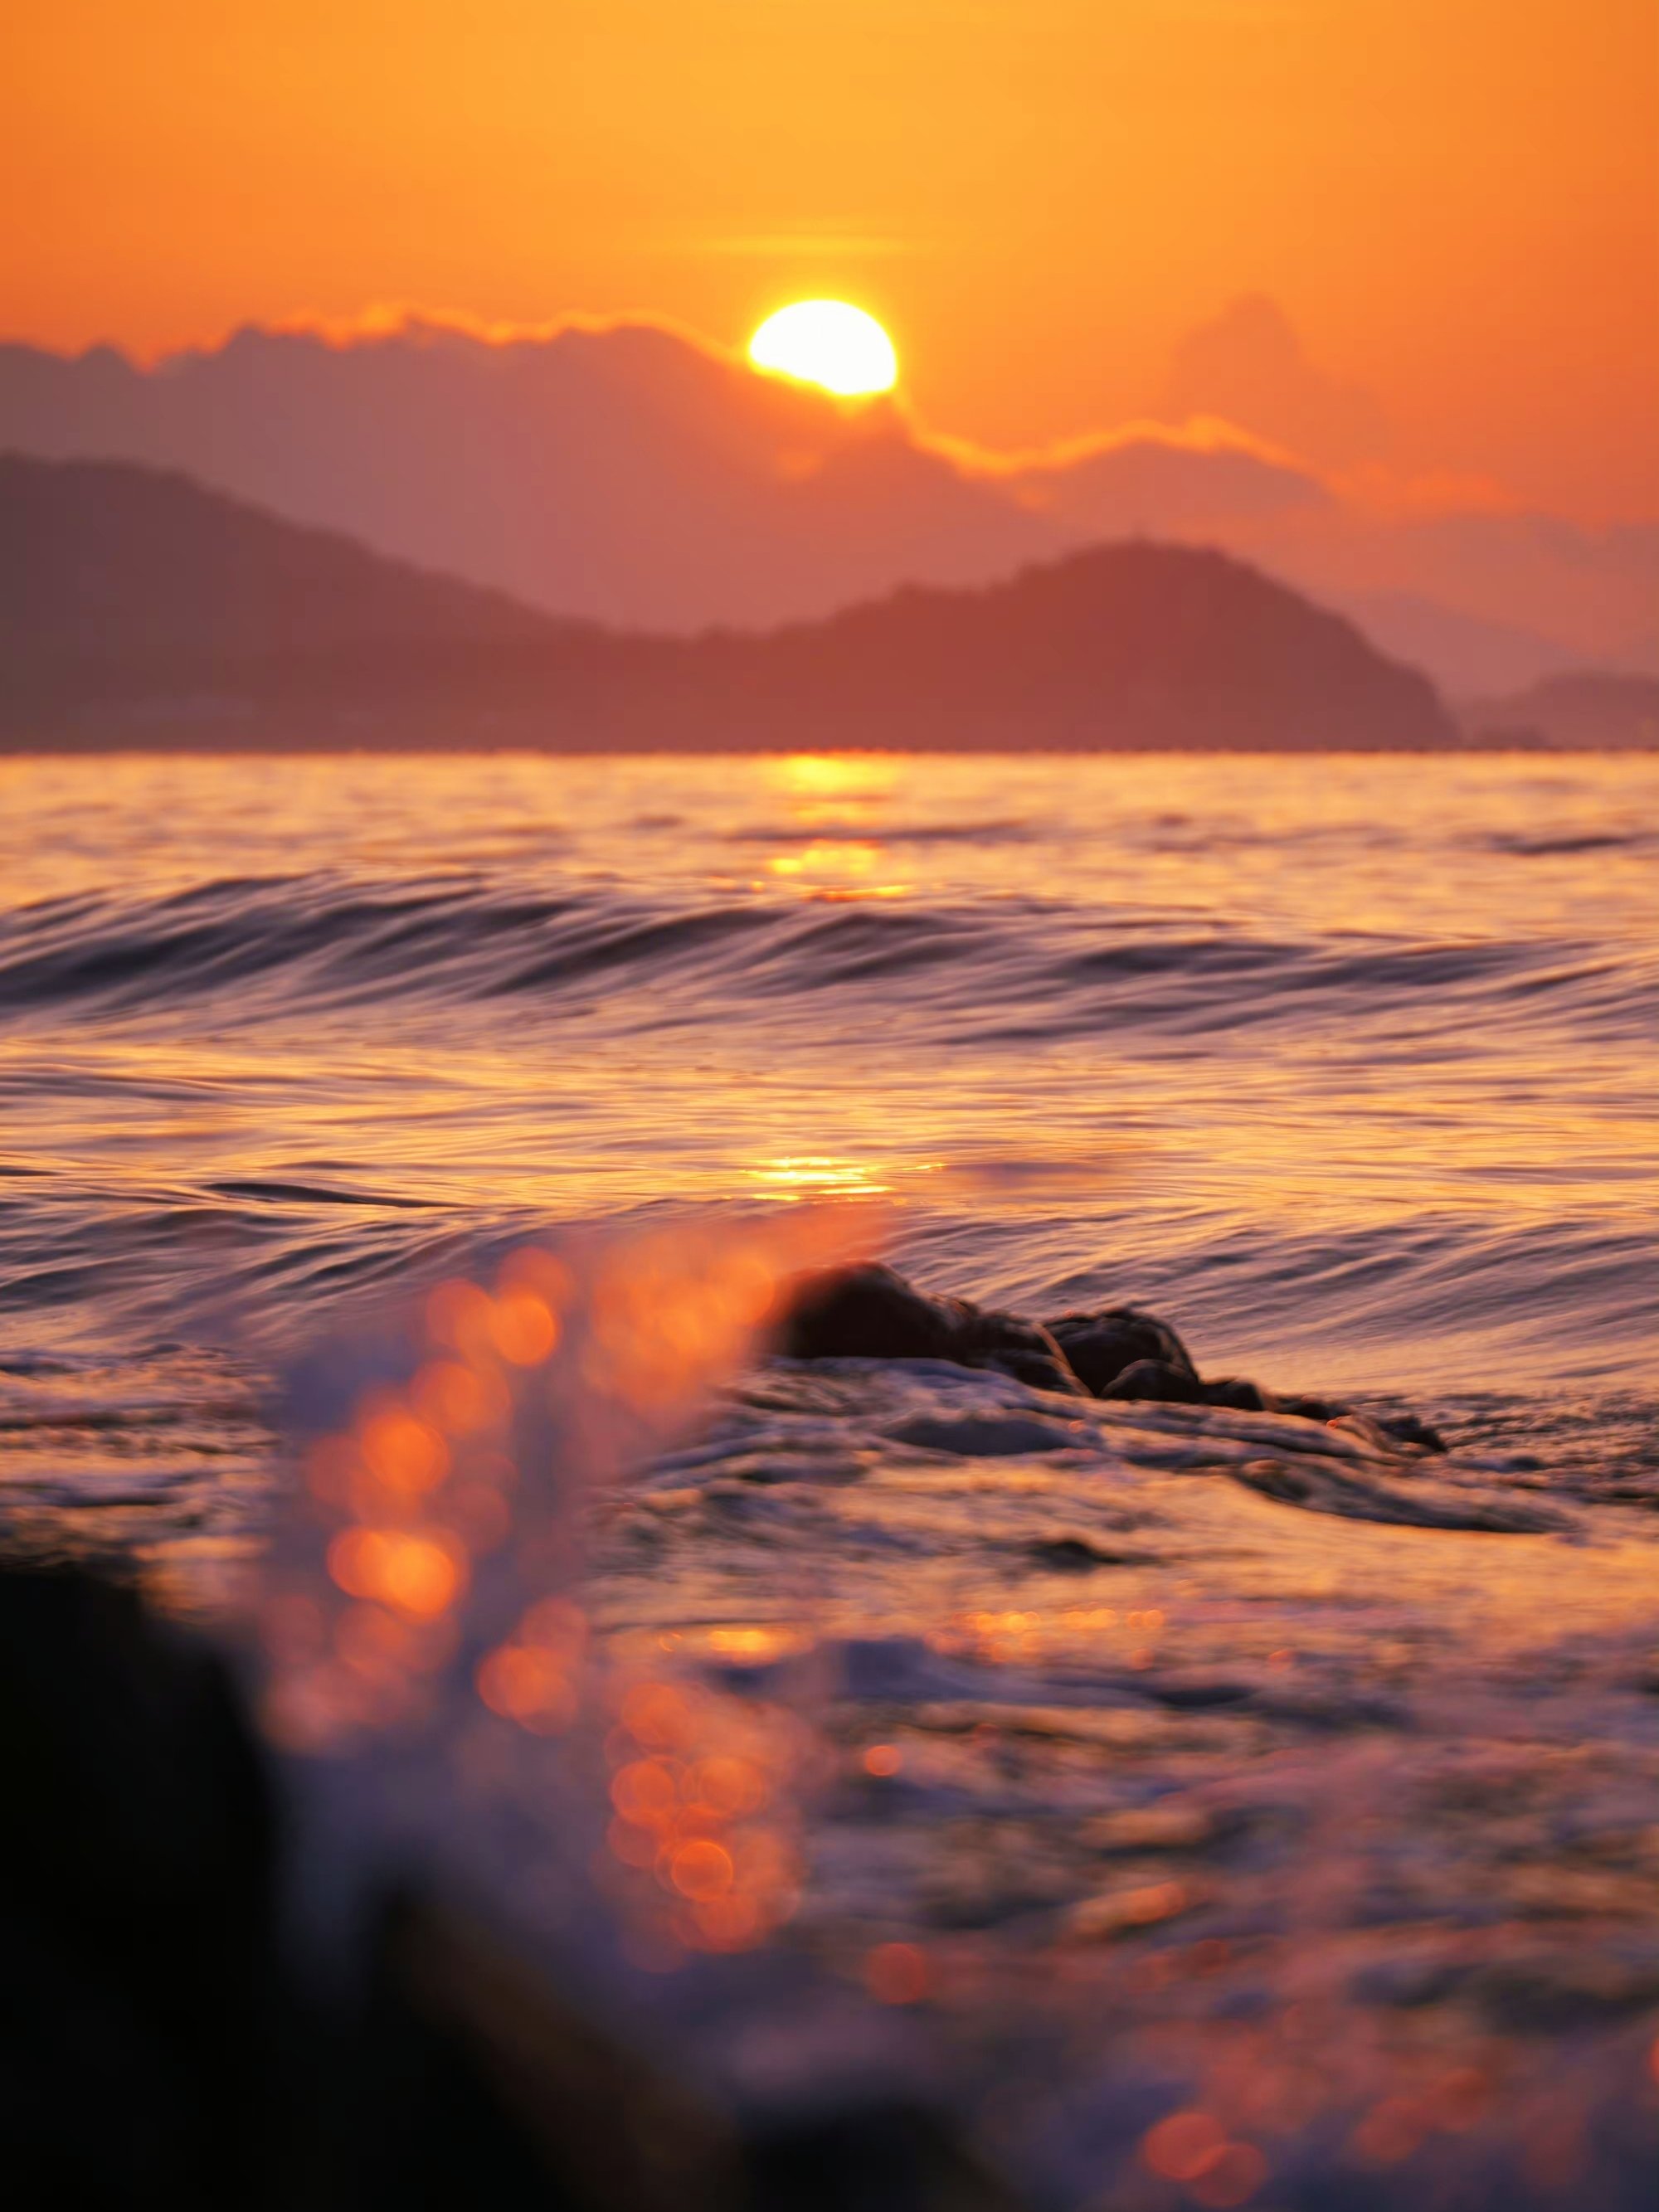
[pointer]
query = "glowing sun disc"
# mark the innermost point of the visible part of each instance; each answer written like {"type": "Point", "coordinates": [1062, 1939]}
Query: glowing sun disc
{"type": "Point", "coordinates": [825, 341]}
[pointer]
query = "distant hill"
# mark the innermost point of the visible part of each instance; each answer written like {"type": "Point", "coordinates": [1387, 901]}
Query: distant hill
{"type": "Point", "coordinates": [1468, 657]}
{"type": "Point", "coordinates": [104, 562]}
{"type": "Point", "coordinates": [1589, 708]}
{"type": "Point", "coordinates": [137, 608]}
{"type": "Point", "coordinates": [1136, 645]}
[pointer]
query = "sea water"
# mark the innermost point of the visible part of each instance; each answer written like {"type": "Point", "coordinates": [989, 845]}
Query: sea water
{"type": "Point", "coordinates": [1231, 1811]}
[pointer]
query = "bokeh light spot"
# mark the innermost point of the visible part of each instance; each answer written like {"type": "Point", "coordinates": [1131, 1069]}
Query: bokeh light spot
{"type": "Point", "coordinates": [896, 1973]}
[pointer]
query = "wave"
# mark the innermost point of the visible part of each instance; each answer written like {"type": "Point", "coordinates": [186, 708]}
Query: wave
{"type": "Point", "coordinates": [257, 948]}
{"type": "Point", "coordinates": [1348, 1067]}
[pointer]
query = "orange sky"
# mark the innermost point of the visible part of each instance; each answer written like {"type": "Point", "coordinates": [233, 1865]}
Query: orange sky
{"type": "Point", "coordinates": [1455, 201]}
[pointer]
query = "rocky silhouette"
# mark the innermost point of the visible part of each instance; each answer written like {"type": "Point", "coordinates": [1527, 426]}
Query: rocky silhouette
{"type": "Point", "coordinates": [1101, 1346]}
{"type": "Point", "coordinates": [137, 608]}
{"type": "Point", "coordinates": [1600, 709]}
{"type": "Point", "coordinates": [870, 1312]}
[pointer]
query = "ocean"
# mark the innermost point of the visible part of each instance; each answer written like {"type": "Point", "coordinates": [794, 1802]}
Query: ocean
{"type": "Point", "coordinates": [1211, 1806]}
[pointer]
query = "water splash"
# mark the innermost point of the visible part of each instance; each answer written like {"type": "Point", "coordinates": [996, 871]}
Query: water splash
{"type": "Point", "coordinates": [428, 1652]}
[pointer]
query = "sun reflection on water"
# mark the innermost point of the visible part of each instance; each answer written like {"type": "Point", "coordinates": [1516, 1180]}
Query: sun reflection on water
{"type": "Point", "coordinates": [843, 798]}
{"type": "Point", "coordinates": [813, 778]}
{"type": "Point", "coordinates": [837, 866]}
{"type": "Point", "coordinates": [801, 1176]}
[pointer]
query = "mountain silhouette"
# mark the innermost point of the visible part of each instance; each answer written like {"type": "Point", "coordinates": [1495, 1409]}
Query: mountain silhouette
{"type": "Point", "coordinates": [105, 561]}
{"type": "Point", "coordinates": [628, 473]}
{"type": "Point", "coordinates": [1594, 708]}
{"type": "Point", "coordinates": [1471, 658]}
{"type": "Point", "coordinates": [142, 609]}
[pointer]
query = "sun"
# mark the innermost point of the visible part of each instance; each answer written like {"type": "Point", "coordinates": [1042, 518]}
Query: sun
{"type": "Point", "coordinates": [825, 341]}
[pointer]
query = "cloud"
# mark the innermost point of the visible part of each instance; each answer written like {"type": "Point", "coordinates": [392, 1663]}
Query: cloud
{"type": "Point", "coordinates": [416, 326]}
{"type": "Point", "coordinates": [1247, 366]}
{"type": "Point", "coordinates": [1148, 478]}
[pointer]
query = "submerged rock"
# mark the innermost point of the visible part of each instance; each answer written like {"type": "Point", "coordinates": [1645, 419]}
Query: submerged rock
{"type": "Point", "coordinates": [1101, 1345]}
{"type": "Point", "coordinates": [1388, 1433]}
{"type": "Point", "coordinates": [1119, 1353]}
{"type": "Point", "coordinates": [870, 1312]}
{"type": "Point", "coordinates": [1406, 1429]}
{"type": "Point", "coordinates": [1158, 1381]}
{"type": "Point", "coordinates": [1240, 1396]}
{"type": "Point", "coordinates": [1309, 1409]}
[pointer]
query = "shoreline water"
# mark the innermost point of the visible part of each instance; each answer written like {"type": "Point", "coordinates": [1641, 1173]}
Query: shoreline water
{"type": "Point", "coordinates": [1097, 1772]}
{"type": "Point", "coordinates": [1211, 1772]}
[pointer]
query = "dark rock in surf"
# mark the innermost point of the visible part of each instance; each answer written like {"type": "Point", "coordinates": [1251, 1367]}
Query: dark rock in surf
{"type": "Point", "coordinates": [1309, 1409]}
{"type": "Point", "coordinates": [1119, 1353]}
{"type": "Point", "coordinates": [862, 1313]}
{"type": "Point", "coordinates": [1389, 1432]}
{"type": "Point", "coordinates": [1406, 1429]}
{"type": "Point", "coordinates": [1233, 1392]}
{"type": "Point", "coordinates": [1156, 1381]}
{"type": "Point", "coordinates": [871, 1313]}
{"type": "Point", "coordinates": [1100, 1346]}
{"type": "Point", "coordinates": [1077, 1555]}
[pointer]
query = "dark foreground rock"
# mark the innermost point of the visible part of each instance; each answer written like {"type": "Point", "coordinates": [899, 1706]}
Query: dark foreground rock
{"type": "Point", "coordinates": [159, 2049]}
{"type": "Point", "coordinates": [872, 1313]}
{"type": "Point", "coordinates": [1159, 1381]}
{"type": "Point", "coordinates": [1121, 1352]}
{"type": "Point", "coordinates": [147, 2051]}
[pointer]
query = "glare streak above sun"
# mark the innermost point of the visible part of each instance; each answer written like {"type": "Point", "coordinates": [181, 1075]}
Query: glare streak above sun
{"type": "Point", "coordinates": [829, 344]}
